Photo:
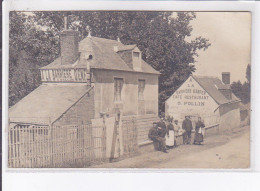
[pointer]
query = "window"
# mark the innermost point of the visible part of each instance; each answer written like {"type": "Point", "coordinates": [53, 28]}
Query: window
{"type": "Point", "coordinates": [136, 55]}
{"type": "Point", "coordinates": [141, 85]}
{"type": "Point", "coordinates": [118, 83]}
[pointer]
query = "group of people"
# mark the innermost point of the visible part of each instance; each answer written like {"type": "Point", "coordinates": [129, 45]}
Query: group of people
{"type": "Point", "coordinates": [164, 133]}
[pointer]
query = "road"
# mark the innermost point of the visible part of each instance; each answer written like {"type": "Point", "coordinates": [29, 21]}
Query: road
{"type": "Point", "coordinates": [228, 150]}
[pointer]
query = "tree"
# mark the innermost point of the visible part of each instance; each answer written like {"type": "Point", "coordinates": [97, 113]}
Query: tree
{"type": "Point", "coordinates": [242, 91]}
{"type": "Point", "coordinates": [30, 48]}
{"type": "Point", "coordinates": [248, 73]}
{"type": "Point", "coordinates": [236, 88]}
{"type": "Point", "coordinates": [160, 36]}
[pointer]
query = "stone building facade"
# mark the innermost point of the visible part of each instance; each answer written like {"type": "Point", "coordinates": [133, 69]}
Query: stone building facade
{"type": "Point", "coordinates": [93, 77]}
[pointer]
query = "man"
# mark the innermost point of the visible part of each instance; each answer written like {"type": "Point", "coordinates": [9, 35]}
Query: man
{"type": "Point", "coordinates": [198, 139]}
{"type": "Point", "coordinates": [153, 135]}
{"type": "Point", "coordinates": [157, 135]}
{"type": "Point", "coordinates": [187, 126]}
{"type": "Point", "coordinates": [162, 133]}
{"type": "Point", "coordinates": [161, 123]}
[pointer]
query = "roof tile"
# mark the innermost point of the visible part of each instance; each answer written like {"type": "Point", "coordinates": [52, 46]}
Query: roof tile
{"type": "Point", "coordinates": [212, 85]}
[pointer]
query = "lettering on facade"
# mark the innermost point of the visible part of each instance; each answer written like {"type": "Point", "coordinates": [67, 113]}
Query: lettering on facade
{"type": "Point", "coordinates": [65, 75]}
{"type": "Point", "coordinates": [191, 96]}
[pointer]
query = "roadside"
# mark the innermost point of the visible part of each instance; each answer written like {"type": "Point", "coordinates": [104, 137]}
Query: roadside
{"type": "Point", "coordinates": [230, 149]}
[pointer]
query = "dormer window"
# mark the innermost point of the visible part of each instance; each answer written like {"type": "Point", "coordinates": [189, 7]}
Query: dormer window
{"type": "Point", "coordinates": [136, 55]}
{"type": "Point", "coordinates": [136, 60]}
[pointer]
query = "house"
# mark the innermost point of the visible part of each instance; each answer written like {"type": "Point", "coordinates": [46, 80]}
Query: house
{"type": "Point", "coordinates": [207, 97]}
{"type": "Point", "coordinates": [92, 77]}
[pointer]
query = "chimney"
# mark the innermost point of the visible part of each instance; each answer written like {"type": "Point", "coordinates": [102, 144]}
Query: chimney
{"type": "Point", "coordinates": [69, 45]}
{"type": "Point", "coordinates": [226, 77]}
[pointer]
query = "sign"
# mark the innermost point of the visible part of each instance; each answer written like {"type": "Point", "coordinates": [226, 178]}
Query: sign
{"type": "Point", "coordinates": [190, 98]}
{"type": "Point", "coordinates": [65, 75]}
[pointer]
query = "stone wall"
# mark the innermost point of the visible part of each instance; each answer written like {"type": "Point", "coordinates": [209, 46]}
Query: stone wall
{"type": "Point", "coordinates": [229, 116]}
{"type": "Point", "coordinates": [80, 113]}
{"type": "Point", "coordinates": [143, 125]}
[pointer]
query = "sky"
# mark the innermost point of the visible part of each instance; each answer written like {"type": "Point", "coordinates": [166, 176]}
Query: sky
{"type": "Point", "coordinates": [230, 36]}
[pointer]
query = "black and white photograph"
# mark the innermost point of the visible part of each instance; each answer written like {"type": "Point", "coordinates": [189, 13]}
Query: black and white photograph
{"type": "Point", "coordinates": [129, 89]}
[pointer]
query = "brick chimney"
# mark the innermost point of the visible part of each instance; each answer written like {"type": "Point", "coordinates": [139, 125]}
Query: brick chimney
{"type": "Point", "coordinates": [69, 45]}
{"type": "Point", "coordinates": [226, 90]}
{"type": "Point", "coordinates": [226, 77]}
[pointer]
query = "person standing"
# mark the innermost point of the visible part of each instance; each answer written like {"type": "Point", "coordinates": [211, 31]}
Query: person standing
{"type": "Point", "coordinates": [161, 123]}
{"type": "Point", "coordinates": [170, 137]}
{"type": "Point", "coordinates": [177, 133]}
{"type": "Point", "coordinates": [162, 133]}
{"type": "Point", "coordinates": [187, 126]}
{"type": "Point", "coordinates": [198, 139]}
{"type": "Point", "coordinates": [154, 136]}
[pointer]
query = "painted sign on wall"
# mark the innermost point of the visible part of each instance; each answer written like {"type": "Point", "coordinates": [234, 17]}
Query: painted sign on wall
{"type": "Point", "coordinates": [190, 99]}
{"type": "Point", "coordinates": [65, 75]}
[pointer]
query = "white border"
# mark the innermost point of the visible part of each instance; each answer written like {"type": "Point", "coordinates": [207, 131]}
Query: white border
{"type": "Point", "coordinates": [12, 181]}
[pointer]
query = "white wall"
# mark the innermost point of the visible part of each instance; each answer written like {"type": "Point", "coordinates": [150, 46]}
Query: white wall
{"type": "Point", "coordinates": [181, 103]}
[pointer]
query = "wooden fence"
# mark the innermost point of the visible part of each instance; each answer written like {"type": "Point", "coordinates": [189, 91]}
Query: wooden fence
{"type": "Point", "coordinates": [34, 146]}
{"type": "Point", "coordinates": [139, 127]}
{"type": "Point", "coordinates": [39, 146]}
{"type": "Point", "coordinates": [129, 132]}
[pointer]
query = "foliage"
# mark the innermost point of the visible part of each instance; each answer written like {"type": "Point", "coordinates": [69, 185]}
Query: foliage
{"type": "Point", "coordinates": [242, 91]}
{"type": "Point", "coordinates": [161, 37]}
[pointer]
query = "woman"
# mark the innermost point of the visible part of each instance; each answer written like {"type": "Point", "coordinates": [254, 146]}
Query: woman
{"type": "Point", "coordinates": [178, 134]}
{"type": "Point", "coordinates": [198, 139]}
{"type": "Point", "coordinates": [170, 138]}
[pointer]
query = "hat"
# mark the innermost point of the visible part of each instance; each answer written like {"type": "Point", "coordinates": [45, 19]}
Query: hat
{"type": "Point", "coordinates": [154, 124]}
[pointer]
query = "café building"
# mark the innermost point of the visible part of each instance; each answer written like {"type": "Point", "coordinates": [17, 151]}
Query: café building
{"type": "Point", "coordinates": [207, 97]}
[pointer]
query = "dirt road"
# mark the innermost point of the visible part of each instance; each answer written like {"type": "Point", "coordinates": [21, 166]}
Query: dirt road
{"type": "Point", "coordinates": [229, 150]}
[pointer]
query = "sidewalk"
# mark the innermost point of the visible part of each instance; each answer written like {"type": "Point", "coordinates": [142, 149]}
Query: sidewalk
{"type": "Point", "coordinates": [233, 146]}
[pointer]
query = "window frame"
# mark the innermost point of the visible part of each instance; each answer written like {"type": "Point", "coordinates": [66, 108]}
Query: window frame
{"type": "Point", "coordinates": [140, 98]}
{"type": "Point", "coordinates": [115, 97]}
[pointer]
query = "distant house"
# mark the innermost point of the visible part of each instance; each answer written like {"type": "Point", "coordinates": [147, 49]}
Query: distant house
{"type": "Point", "coordinates": [90, 78]}
{"type": "Point", "coordinates": [207, 97]}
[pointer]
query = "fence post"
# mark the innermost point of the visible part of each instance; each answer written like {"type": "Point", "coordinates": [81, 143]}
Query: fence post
{"type": "Point", "coordinates": [114, 137]}
{"type": "Point", "coordinates": [104, 138]}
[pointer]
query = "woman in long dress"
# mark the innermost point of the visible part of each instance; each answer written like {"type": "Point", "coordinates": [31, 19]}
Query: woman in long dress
{"type": "Point", "coordinates": [178, 134]}
{"type": "Point", "coordinates": [170, 138]}
{"type": "Point", "coordinates": [198, 139]}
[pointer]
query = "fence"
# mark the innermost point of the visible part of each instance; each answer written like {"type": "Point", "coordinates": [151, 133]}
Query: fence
{"type": "Point", "coordinates": [43, 146]}
{"type": "Point", "coordinates": [35, 146]}
{"type": "Point", "coordinates": [142, 125]}
{"type": "Point", "coordinates": [129, 132]}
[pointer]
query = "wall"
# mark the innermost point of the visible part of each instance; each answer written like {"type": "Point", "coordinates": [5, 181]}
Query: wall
{"type": "Point", "coordinates": [229, 116]}
{"type": "Point", "coordinates": [104, 92]}
{"type": "Point", "coordinates": [80, 113]}
{"type": "Point", "coordinates": [190, 99]}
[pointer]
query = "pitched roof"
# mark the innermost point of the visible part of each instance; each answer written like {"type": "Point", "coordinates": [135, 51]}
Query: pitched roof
{"type": "Point", "coordinates": [104, 56]}
{"type": "Point", "coordinates": [47, 103]}
{"type": "Point", "coordinates": [213, 85]}
{"type": "Point", "coordinates": [126, 47]}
